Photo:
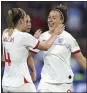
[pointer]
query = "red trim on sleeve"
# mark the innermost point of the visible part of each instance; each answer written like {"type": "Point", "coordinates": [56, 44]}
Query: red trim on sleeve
{"type": "Point", "coordinates": [37, 44]}
{"type": "Point", "coordinates": [25, 81]}
{"type": "Point", "coordinates": [68, 91]}
{"type": "Point", "coordinates": [77, 51]}
{"type": "Point", "coordinates": [33, 51]}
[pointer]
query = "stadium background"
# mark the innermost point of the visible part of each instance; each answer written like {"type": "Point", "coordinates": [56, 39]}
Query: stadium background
{"type": "Point", "coordinates": [76, 25]}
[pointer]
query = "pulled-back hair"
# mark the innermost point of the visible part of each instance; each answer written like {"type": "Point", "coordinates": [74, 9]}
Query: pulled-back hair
{"type": "Point", "coordinates": [63, 12]}
{"type": "Point", "coordinates": [13, 17]}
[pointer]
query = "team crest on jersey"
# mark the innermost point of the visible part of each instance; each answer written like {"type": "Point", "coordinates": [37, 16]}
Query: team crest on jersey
{"type": "Point", "coordinates": [59, 41]}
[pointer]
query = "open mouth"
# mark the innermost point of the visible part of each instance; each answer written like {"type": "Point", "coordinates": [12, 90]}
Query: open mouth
{"type": "Point", "coordinates": [29, 28]}
{"type": "Point", "coordinates": [51, 24]}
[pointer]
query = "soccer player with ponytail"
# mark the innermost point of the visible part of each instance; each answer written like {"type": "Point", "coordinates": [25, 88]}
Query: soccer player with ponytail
{"type": "Point", "coordinates": [16, 43]}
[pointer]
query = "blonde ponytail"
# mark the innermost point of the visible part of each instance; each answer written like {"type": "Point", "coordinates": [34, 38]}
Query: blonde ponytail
{"type": "Point", "coordinates": [14, 15]}
{"type": "Point", "coordinates": [10, 23]}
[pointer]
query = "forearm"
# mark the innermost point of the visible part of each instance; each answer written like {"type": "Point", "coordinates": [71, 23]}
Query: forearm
{"type": "Point", "coordinates": [46, 45]}
{"type": "Point", "coordinates": [30, 62]}
{"type": "Point", "coordinates": [83, 62]}
{"type": "Point", "coordinates": [51, 40]}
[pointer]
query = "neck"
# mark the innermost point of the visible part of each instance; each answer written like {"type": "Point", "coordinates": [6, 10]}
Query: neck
{"type": "Point", "coordinates": [51, 32]}
{"type": "Point", "coordinates": [18, 28]}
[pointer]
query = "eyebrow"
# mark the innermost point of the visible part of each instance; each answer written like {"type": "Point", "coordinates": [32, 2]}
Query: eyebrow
{"type": "Point", "coordinates": [51, 16]}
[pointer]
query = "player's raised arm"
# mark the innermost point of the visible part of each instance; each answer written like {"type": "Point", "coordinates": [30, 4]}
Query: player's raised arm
{"type": "Point", "coordinates": [45, 46]}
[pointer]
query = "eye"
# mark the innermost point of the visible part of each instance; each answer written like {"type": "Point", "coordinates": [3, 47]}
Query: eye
{"type": "Point", "coordinates": [54, 17]}
{"type": "Point", "coordinates": [27, 21]}
{"type": "Point", "coordinates": [48, 17]}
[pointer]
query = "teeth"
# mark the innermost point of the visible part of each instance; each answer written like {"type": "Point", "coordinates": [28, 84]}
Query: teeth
{"type": "Point", "coordinates": [51, 24]}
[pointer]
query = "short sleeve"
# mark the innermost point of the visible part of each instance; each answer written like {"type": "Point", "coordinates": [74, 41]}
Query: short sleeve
{"type": "Point", "coordinates": [30, 41]}
{"type": "Point", "coordinates": [74, 46]}
{"type": "Point", "coordinates": [35, 51]}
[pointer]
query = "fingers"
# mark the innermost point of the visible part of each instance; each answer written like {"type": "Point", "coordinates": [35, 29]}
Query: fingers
{"type": "Point", "coordinates": [39, 30]}
{"type": "Point", "coordinates": [59, 29]}
{"type": "Point", "coordinates": [38, 33]}
{"type": "Point", "coordinates": [62, 26]}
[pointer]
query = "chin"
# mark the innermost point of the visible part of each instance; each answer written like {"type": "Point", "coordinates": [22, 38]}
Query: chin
{"type": "Point", "coordinates": [51, 29]}
{"type": "Point", "coordinates": [28, 30]}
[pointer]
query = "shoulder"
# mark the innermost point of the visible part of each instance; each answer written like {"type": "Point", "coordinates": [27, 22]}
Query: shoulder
{"type": "Point", "coordinates": [25, 34]}
{"type": "Point", "coordinates": [5, 30]}
{"type": "Point", "coordinates": [67, 35]}
{"type": "Point", "coordinates": [44, 34]}
{"type": "Point", "coordinates": [28, 36]}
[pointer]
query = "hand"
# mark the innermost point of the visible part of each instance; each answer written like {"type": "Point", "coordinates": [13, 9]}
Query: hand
{"type": "Point", "coordinates": [37, 33]}
{"type": "Point", "coordinates": [59, 29]}
{"type": "Point", "coordinates": [33, 76]}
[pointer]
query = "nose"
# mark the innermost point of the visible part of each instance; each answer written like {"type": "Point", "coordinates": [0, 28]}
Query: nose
{"type": "Point", "coordinates": [50, 20]}
{"type": "Point", "coordinates": [29, 24]}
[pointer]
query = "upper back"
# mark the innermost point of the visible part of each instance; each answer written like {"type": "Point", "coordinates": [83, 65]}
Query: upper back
{"type": "Point", "coordinates": [18, 43]}
{"type": "Point", "coordinates": [14, 45]}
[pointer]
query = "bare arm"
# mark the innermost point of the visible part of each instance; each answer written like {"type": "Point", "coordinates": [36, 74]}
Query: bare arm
{"type": "Point", "coordinates": [2, 62]}
{"type": "Point", "coordinates": [30, 62]}
{"type": "Point", "coordinates": [45, 46]}
{"type": "Point", "coordinates": [81, 59]}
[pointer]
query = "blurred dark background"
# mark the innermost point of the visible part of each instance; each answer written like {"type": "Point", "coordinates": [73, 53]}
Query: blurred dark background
{"type": "Point", "coordinates": [76, 25]}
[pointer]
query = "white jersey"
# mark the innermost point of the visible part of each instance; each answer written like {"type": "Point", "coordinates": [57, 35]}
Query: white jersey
{"type": "Point", "coordinates": [15, 52]}
{"type": "Point", "coordinates": [57, 67]}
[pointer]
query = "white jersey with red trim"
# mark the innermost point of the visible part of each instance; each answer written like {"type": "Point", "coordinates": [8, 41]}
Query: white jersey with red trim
{"type": "Point", "coordinates": [15, 52]}
{"type": "Point", "coordinates": [57, 67]}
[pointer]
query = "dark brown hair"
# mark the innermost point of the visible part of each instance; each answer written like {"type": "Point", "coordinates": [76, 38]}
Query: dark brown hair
{"type": "Point", "coordinates": [63, 12]}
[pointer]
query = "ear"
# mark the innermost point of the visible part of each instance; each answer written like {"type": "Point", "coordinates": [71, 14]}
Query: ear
{"type": "Point", "coordinates": [20, 21]}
